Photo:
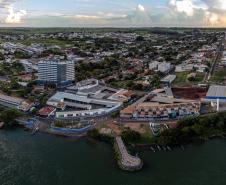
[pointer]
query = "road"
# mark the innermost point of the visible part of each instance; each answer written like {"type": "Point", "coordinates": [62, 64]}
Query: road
{"type": "Point", "coordinates": [216, 59]}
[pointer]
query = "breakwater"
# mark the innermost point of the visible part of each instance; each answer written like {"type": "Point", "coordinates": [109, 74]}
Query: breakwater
{"type": "Point", "coordinates": [125, 160]}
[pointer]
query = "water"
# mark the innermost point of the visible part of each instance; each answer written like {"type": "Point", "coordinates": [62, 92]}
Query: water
{"type": "Point", "coordinates": [48, 160]}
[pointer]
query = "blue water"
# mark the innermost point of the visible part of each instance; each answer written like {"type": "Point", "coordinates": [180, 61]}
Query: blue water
{"type": "Point", "coordinates": [48, 160]}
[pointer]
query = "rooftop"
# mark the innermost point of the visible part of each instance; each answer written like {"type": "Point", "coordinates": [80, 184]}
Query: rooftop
{"type": "Point", "coordinates": [217, 91]}
{"type": "Point", "coordinates": [45, 111]}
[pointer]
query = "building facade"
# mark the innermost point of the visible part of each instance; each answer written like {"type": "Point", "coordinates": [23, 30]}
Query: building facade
{"type": "Point", "coordinates": [56, 72]}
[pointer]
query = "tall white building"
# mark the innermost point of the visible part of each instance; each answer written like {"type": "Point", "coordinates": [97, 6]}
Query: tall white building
{"type": "Point", "coordinates": [164, 67]}
{"type": "Point", "coordinates": [56, 72]}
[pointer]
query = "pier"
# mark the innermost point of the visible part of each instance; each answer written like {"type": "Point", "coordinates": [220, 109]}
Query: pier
{"type": "Point", "coordinates": [125, 160]}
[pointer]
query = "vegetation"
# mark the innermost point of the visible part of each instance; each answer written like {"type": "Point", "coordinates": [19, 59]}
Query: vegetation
{"type": "Point", "coordinates": [155, 81]}
{"type": "Point", "coordinates": [94, 133]}
{"type": "Point", "coordinates": [22, 55]}
{"type": "Point", "coordinates": [219, 76]}
{"type": "Point", "coordinates": [8, 116]}
{"type": "Point", "coordinates": [181, 78]}
{"type": "Point", "coordinates": [98, 70]}
{"type": "Point", "coordinates": [10, 68]}
{"type": "Point", "coordinates": [193, 128]}
{"type": "Point", "coordinates": [197, 78]}
{"type": "Point", "coordinates": [131, 136]}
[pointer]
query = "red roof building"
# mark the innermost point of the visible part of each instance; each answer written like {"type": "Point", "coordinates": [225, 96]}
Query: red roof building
{"type": "Point", "coordinates": [46, 111]}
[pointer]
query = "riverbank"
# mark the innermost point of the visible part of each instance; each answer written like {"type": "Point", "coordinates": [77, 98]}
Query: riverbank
{"type": "Point", "coordinates": [44, 159]}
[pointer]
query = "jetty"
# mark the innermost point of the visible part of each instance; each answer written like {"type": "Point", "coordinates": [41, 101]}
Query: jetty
{"type": "Point", "coordinates": [126, 161]}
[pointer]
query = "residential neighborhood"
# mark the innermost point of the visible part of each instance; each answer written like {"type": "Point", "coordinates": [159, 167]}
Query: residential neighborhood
{"type": "Point", "coordinates": [123, 76]}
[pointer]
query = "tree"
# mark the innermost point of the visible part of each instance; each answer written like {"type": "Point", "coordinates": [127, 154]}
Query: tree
{"type": "Point", "coordinates": [155, 80]}
{"type": "Point", "coordinates": [93, 133]}
{"type": "Point", "coordinates": [131, 136]}
{"type": "Point", "coordinates": [8, 116]}
{"type": "Point", "coordinates": [140, 38]}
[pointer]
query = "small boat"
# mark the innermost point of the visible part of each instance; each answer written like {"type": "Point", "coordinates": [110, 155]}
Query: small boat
{"type": "Point", "coordinates": [34, 131]}
{"type": "Point", "coordinates": [164, 148]}
{"type": "Point", "coordinates": [152, 149]}
{"type": "Point", "coordinates": [182, 147]}
{"type": "Point", "coordinates": [2, 125]}
{"type": "Point", "coordinates": [169, 148]}
{"type": "Point", "coordinates": [159, 148]}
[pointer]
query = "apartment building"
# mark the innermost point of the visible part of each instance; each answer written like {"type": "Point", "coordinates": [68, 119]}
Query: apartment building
{"type": "Point", "coordinates": [56, 72]}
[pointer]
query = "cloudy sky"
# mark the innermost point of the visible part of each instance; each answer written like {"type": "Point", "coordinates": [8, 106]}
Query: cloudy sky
{"type": "Point", "coordinates": [115, 13]}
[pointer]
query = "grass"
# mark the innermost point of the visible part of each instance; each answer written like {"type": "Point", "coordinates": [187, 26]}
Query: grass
{"type": "Point", "coordinates": [147, 136]}
{"type": "Point", "coordinates": [61, 43]}
{"type": "Point", "coordinates": [219, 76]}
{"type": "Point", "coordinates": [122, 84]}
{"type": "Point", "coordinates": [181, 78]}
{"type": "Point", "coordinates": [199, 77]}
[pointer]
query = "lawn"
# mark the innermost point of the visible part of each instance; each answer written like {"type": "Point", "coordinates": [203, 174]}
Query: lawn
{"type": "Point", "coordinates": [199, 77]}
{"type": "Point", "coordinates": [47, 42]}
{"type": "Point", "coordinates": [181, 78]}
{"type": "Point", "coordinates": [219, 76]}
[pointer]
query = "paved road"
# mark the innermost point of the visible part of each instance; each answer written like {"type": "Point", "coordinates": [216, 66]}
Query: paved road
{"type": "Point", "coordinates": [216, 59]}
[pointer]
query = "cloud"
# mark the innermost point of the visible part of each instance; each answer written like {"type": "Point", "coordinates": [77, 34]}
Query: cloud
{"type": "Point", "coordinates": [5, 3]}
{"type": "Point", "coordinates": [210, 13]}
{"type": "Point", "coordinates": [124, 13]}
{"type": "Point", "coordinates": [8, 15]}
{"type": "Point", "coordinates": [187, 6]}
{"type": "Point", "coordinates": [87, 17]}
{"type": "Point", "coordinates": [212, 18]}
{"type": "Point", "coordinates": [14, 17]}
{"type": "Point", "coordinates": [140, 8]}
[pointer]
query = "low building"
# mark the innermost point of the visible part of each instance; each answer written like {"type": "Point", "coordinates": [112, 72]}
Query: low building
{"type": "Point", "coordinates": [75, 105]}
{"type": "Point", "coordinates": [216, 95]}
{"type": "Point", "coordinates": [13, 102]}
{"type": "Point", "coordinates": [168, 80]}
{"type": "Point", "coordinates": [160, 106]}
{"type": "Point", "coordinates": [97, 89]}
{"type": "Point", "coordinates": [216, 92]}
{"type": "Point", "coordinates": [164, 67]}
{"type": "Point", "coordinates": [46, 111]}
{"type": "Point", "coordinates": [153, 65]}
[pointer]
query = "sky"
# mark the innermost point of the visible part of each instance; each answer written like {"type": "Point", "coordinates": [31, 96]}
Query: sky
{"type": "Point", "coordinates": [112, 13]}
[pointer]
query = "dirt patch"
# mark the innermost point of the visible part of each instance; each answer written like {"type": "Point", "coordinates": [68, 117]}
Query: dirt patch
{"type": "Point", "coordinates": [194, 93]}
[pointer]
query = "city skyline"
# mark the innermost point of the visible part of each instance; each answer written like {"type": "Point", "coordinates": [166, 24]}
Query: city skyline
{"type": "Point", "coordinates": [112, 13]}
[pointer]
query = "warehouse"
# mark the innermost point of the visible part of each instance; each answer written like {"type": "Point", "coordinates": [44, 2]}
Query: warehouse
{"type": "Point", "coordinates": [216, 92]}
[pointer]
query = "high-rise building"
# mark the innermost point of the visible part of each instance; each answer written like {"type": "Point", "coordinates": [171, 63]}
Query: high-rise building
{"type": "Point", "coordinates": [56, 72]}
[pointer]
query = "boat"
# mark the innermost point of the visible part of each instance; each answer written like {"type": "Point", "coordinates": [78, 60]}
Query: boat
{"type": "Point", "coordinates": [182, 147]}
{"type": "Point", "coordinates": [2, 125]}
{"type": "Point", "coordinates": [34, 131]}
{"type": "Point", "coordinates": [159, 148]}
{"type": "Point", "coordinates": [152, 149]}
{"type": "Point", "coordinates": [169, 148]}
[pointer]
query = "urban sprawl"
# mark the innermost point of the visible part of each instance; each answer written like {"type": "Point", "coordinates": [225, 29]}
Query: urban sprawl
{"type": "Point", "coordinates": [144, 80]}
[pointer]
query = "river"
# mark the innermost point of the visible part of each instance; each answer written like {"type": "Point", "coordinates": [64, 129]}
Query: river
{"type": "Point", "coordinates": [49, 160]}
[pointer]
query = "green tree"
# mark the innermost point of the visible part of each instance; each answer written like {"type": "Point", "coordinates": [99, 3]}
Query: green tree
{"type": "Point", "coordinates": [8, 116]}
{"type": "Point", "coordinates": [131, 136]}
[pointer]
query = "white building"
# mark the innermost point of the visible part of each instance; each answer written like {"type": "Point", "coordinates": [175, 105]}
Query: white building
{"type": "Point", "coordinates": [56, 72]}
{"type": "Point", "coordinates": [153, 65]}
{"type": "Point", "coordinates": [164, 67]}
{"type": "Point", "coordinates": [81, 106]}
